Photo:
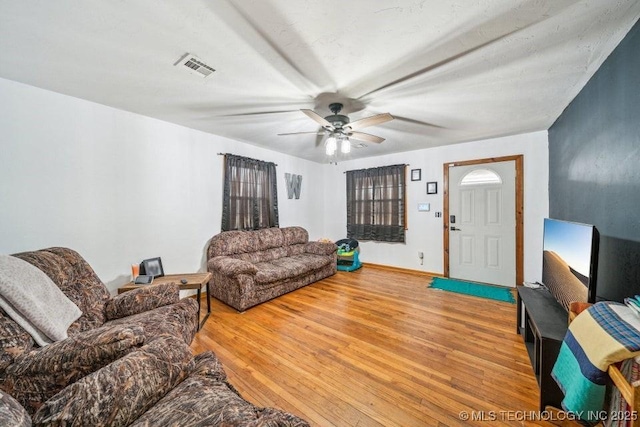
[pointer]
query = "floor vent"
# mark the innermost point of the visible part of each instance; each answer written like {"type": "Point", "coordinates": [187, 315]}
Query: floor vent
{"type": "Point", "coordinates": [194, 65]}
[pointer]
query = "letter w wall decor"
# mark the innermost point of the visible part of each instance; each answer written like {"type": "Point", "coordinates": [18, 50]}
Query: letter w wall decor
{"type": "Point", "coordinates": [294, 183]}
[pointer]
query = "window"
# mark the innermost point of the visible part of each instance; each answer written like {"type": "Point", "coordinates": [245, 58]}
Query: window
{"type": "Point", "coordinates": [250, 198]}
{"type": "Point", "coordinates": [376, 204]}
{"type": "Point", "coordinates": [481, 176]}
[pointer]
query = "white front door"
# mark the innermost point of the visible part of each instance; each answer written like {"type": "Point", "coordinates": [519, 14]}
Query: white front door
{"type": "Point", "coordinates": [482, 223]}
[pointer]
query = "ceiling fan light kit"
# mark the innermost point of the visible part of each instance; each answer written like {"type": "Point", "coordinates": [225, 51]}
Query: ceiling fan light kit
{"type": "Point", "coordinates": [331, 146]}
{"type": "Point", "coordinates": [345, 146]}
{"type": "Point", "coordinates": [341, 128]}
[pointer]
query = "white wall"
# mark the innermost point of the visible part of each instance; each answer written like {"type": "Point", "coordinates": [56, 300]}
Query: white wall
{"type": "Point", "coordinates": [425, 232]}
{"type": "Point", "coordinates": [119, 187]}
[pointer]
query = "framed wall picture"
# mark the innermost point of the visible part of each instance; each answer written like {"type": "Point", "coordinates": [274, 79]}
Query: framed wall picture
{"type": "Point", "coordinates": [432, 188]}
{"type": "Point", "coordinates": [416, 174]}
{"type": "Point", "coordinates": [152, 267]}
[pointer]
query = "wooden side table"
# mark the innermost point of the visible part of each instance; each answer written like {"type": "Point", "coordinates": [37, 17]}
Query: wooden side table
{"type": "Point", "coordinates": [194, 281]}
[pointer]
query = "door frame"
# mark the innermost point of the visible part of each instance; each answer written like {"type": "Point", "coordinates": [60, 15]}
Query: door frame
{"type": "Point", "coordinates": [519, 163]}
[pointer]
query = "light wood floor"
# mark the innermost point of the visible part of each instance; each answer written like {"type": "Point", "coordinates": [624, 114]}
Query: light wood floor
{"type": "Point", "coordinates": [376, 348]}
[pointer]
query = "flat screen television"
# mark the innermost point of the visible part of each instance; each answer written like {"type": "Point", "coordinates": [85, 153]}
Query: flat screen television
{"type": "Point", "coordinates": [570, 261]}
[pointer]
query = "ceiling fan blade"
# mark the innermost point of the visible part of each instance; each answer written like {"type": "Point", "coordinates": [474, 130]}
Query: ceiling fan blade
{"type": "Point", "coordinates": [317, 117]}
{"type": "Point", "coordinates": [315, 132]}
{"type": "Point", "coordinates": [370, 121]}
{"type": "Point", "coordinates": [418, 122]}
{"type": "Point", "coordinates": [361, 136]}
{"type": "Point", "coordinates": [257, 113]}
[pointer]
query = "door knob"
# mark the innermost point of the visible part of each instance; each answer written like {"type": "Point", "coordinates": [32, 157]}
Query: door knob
{"type": "Point", "coordinates": [455, 229]}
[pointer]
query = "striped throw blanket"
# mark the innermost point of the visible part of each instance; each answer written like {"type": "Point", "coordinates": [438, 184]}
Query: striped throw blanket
{"type": "Point", "coordinates": [604, 334]}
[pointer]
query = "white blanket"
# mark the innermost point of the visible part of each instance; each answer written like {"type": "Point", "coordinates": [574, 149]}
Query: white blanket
{"type": "Point", "coordinates": [34, 302]}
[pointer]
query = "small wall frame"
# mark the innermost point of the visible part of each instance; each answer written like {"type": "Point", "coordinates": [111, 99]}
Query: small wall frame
{"type": "Point", "coordinates": [432, 187]}
{"type": "Point", "coordinates": [416, 174]}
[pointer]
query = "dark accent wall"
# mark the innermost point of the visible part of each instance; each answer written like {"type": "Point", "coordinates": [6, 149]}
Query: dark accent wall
{"type": "Point", "coordinates": [594, 166]}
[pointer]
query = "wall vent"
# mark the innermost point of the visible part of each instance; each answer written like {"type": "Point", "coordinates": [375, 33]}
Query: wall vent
{"type": "Point", "coordinates": [195, 65]}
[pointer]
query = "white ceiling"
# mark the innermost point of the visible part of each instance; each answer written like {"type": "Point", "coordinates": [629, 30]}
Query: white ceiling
{"type": "Point", "coordinates": [449, 71]}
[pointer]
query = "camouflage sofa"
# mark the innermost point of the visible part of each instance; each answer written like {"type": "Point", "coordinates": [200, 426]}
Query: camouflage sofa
{"type": "Point", "coordinates": [126, 361]}
{"type": "Point", "coordinates": [250, 267]}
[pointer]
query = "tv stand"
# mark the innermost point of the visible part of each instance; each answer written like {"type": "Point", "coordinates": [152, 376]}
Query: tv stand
{"type": "Point", "coordinates": [542, 322]}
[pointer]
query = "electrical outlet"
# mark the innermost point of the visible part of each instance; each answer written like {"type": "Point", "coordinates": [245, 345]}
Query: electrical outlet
{"type": "Point", "coordinates": [438, 214]}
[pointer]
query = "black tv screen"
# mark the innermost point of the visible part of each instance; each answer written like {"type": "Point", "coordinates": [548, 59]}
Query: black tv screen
{"type": "Point", "coordinates": [570, 261]}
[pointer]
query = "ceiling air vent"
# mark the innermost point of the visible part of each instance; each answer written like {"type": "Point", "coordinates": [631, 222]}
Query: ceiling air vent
{"type": "Point", "coordinates": [194, 65]}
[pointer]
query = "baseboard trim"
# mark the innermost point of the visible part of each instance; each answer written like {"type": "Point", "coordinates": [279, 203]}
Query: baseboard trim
{"type": "Point", "coordinates": [401, 269]}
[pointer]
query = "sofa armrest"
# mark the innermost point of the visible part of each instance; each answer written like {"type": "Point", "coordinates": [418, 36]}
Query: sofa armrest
{"type": "Point", "coordinates": [141, 299]}
{"type": "Point", "coordinates": [12, 413]}
{"type": "Point", "coordinates": [36, 376]}
{"type": "Point", "coordinates": [122, 391]}
{"type": "Point", "coordinates": [14, 341]}
{"type": "Point", "coordinates": [231, 267]}
{"type": "Point", "coordinates": [320, 248]}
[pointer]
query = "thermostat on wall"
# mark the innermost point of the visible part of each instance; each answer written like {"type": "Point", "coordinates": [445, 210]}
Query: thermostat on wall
{"type": "Point", "coordinates": [424, 207]}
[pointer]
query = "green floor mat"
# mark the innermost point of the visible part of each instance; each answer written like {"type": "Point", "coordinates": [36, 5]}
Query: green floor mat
{"type": "Point", "coordinates": [475, 289]}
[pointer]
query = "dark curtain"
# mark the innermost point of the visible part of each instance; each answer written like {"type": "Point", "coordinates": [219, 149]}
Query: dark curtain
{"type": "Point", "coordinates": [376, 204]}
{"type": "Point", "coordinates": [250, 199]}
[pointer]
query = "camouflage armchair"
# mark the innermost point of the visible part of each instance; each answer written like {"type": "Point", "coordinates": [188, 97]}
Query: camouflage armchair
{"type": "Point", "coordinates": [158, 309]}
{"type": "Point", "coordinates": [108, 329]}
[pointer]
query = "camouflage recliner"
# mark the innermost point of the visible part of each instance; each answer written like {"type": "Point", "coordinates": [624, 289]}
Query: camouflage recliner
{"type": "Point", "coordinates": [108, 328]}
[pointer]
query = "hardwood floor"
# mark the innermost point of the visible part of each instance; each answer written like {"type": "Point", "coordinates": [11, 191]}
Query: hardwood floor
{"type": "Point", "coordinates": [377, 348]}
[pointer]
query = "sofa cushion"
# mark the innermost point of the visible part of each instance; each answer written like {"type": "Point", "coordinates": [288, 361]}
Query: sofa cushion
{"type": "Point", "coordinates": [269, 238]}
{"type": "Point", "coordinates": [294, 235]}
{"type": "Point", "coordinates": [263, 256]}
{"type": "Point", "coordinates": [297, 249]}
{"type": "Point", "coordinates": [119, 393]}
{"type": "Point", "coordinates": [232, 242]}
{"type": "Point", "coordinates": [256, 245]}
{"type": "Point", "coordinates": [289, 267]}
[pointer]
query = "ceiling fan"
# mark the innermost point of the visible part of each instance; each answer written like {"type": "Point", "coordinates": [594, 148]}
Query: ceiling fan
{"type": "Point", "coordinates": [341, 129]}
